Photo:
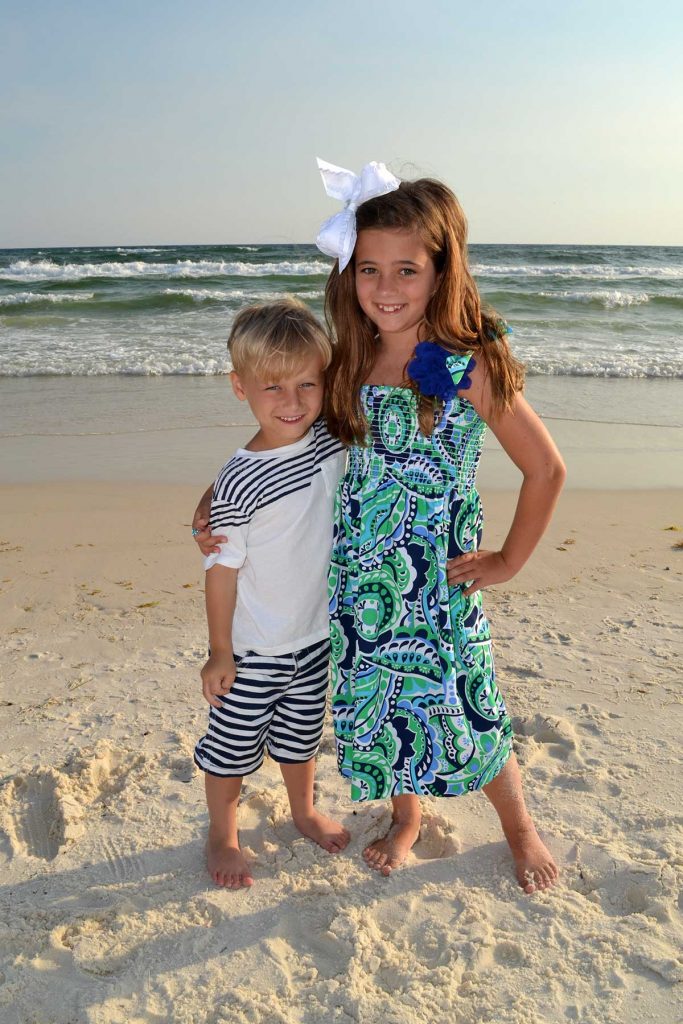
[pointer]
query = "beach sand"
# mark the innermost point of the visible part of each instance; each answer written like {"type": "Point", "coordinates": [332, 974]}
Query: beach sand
{"type": "Point", "coordinates": [109, 915]}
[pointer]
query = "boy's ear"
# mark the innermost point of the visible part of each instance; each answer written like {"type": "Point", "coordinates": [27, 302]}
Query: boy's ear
{"type": "Point", "coordinates": [237, 386]}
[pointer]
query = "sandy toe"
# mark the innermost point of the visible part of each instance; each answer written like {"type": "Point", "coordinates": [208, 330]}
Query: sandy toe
{"type": "Point", "coordinates": [535, 867]}
{"type": "Point", "coordinates": [328, 834]}
{"type": "Point", "coordinates": [389, 852]}
{"type": "Point", "coordinates": [227, 865]}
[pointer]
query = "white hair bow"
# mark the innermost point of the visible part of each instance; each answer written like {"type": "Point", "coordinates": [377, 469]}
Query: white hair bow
{"type": "Point", "coordinates": [337, 236]}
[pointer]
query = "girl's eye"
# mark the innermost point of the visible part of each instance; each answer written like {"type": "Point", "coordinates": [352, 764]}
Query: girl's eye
{"type": "Point", "coordinates": [368, 270]}
{"type": "Point", "coordinates": [407, 271]}
{"type": "Point", "coordinates": [307, 384]}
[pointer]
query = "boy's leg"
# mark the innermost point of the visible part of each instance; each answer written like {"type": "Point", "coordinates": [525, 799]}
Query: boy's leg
{"type": "Point", "coordinates": [234, 743]}
{"type": "Point", "coordinates": [293, 740]}
{"type": "Point", "coordinates": [391, 850]}
{"type": "Point", "coordinates": [298, 779]}
{"type": "Point", "coordinates": [226, 862]}
{"type": "Point", "coordinates": [534, 865]}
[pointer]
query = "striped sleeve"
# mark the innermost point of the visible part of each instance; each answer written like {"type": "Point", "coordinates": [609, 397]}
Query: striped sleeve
{"type": "Point", "coordinates": [230, 516]}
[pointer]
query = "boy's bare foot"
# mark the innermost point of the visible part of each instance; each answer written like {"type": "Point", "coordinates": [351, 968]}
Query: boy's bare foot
{"type": "Point", "coordinates": [390, 852]}
{"type": "Point", "coordinates": [227, 864]}
{"type": "Point", "coordinates": [534, 864]}
{"type": "Point", "coordinates": [323, 831]}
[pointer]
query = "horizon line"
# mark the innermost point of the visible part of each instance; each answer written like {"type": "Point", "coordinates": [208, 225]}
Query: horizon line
{"type": "Point", "coordinates": [181, 245]}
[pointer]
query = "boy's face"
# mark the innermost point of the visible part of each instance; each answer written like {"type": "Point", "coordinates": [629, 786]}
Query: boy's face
{"type": "Point", "coordinates": [286, 409]}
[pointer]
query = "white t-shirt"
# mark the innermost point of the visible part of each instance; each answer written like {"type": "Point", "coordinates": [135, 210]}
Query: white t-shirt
{"type": "Point", "coordinates": [276, 509]}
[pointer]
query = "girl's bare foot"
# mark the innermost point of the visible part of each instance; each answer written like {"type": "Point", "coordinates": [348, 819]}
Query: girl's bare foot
{"type": "Point", "coordinates": [323, 831]}
{"type": "Point", "coordinates": [534, 864]}
{"type": "Point", "coordinates": [390, 852]}
{"type": "Point", "coordinates": [227, 864]}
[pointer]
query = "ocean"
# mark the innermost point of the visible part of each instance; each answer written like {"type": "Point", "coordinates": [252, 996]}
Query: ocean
{"type": "Point", "coordinates": [591, 311]}
{"type": "Point", "coordinates": [112, 359]}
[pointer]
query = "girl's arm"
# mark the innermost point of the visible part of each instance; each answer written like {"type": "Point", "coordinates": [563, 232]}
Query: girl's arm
{"type": "Point", "coordinates": [219, 672]}
{"type": "Point", "coordinates": [526, 440]}
{"type": "Point", "coordinates": [208, 545]}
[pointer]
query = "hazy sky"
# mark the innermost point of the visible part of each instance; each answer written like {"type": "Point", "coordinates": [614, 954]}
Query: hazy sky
{"type": "Point", "coordinates": [138, 122]}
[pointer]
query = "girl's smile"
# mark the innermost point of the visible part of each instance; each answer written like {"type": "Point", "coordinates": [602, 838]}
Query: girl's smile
{"type": "Point", "coordinates": [395, 279]}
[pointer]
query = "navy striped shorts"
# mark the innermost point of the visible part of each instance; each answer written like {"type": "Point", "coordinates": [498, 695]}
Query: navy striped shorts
{"type": "Point", "coordinates": [277, 703]}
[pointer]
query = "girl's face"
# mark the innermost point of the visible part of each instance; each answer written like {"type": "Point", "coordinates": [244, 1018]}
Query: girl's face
{"type": "Point", "coordinates": [395, 279]}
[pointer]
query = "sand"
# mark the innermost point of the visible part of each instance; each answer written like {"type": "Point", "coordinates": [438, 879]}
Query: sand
{"type": "Point", "coordinates": [109, 915]}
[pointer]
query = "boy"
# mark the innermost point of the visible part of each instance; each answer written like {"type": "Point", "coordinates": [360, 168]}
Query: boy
{"type": "Point", "coordinates": [266, 586]}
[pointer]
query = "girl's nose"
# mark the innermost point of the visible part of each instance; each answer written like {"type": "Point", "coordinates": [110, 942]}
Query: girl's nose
{"type": "Point", "coordinates": [384, 284]}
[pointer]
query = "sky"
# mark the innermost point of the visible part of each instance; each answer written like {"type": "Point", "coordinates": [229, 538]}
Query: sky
{"type": "Point", "coordinates": [147, 122]}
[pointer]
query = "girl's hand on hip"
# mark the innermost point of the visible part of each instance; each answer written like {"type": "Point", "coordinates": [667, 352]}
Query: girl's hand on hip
{"type": "Point", "coordinates": [218, 675]}
{"type": "Point", "coordinates": [478, 569]}
{"type": "Point", "coordinates": [208, 544]}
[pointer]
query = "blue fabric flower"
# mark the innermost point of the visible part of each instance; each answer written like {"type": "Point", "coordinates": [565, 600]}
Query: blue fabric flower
{"type": "Point", "coordinates": [429, 369]}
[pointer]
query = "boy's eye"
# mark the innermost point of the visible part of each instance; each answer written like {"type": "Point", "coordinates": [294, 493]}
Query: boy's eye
{"type": "Point", "coordinates": [273, 387]}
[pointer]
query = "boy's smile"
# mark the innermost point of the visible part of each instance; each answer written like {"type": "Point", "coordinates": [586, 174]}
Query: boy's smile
{"type": "Point", "coordinates": [287, 408]}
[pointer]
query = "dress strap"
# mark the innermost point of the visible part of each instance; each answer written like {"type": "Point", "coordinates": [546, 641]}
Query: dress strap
{"type": "Point", "coordinates": [460, 367]}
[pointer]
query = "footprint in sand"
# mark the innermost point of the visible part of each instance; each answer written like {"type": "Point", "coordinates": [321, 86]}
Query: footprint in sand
{"type": "Point", "coordinates": [33, 814]}
{"type": "Point", "coordinates": [546, 736]}
{"type": "Point", "coordinates": [509, 954]}
{"type": "Point", "coordinates": [437, 839]}
{"type": "Point", "coordinates": [596, 779]}
{"type": "Point", "coordinates": [44, 810]}
{"type": "Point", "coordinates": [93, 944]}
{"type": "Point", "coordinates": [180, 759]}
{"type": "Point", "coordinates": [105, 772]}
{"type": "Point", "coordinates": [622, 887]}
{"type": "Point", "coordinates": [108, 942]}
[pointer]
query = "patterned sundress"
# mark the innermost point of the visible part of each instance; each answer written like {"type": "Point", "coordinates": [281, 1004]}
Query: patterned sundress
{"type": "Point", "coordinates": [414, 699]}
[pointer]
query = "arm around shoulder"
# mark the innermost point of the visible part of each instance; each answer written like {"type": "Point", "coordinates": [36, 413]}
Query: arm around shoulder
{"type": "Point", "coordinates": [208, 544]}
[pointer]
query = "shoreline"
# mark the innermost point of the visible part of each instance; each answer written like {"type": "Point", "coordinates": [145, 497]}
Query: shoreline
{"type": "Point", "coordinates": [615, 434]}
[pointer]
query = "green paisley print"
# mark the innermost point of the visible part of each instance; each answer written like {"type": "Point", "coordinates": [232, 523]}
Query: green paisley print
{"type": "Point", "coordinates": [414, 698]}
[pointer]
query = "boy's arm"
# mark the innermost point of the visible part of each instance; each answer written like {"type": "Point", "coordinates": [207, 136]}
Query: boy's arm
{"type": "Point", "coordinates": [200, 521]}
{"type": "Point", "coordinates": [219, 672]}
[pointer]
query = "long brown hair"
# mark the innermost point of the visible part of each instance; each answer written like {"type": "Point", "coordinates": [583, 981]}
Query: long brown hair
{"type": "Point", "coordinates": [454, 314]}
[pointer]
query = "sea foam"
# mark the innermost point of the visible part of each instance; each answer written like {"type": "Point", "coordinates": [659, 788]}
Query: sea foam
{"type": "Point", "coordinates": [48, 298]}
{"type": "Point", "coordinates": [48, 270]}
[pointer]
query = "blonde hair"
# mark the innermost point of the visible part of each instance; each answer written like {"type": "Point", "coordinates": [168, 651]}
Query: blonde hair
{"type": "Point", "coordinates": [274, 339]}
{"type": "Point", "coordinates": [454, 316]}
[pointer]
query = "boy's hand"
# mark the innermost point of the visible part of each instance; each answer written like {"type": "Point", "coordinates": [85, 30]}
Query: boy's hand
{"type": "Point", "coordinates": [478, 568]}
{"type": "Point", "coordinates": [218, 675]}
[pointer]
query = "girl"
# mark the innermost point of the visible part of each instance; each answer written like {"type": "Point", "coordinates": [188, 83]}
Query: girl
{"type": "Point", "coordinates": [419, 371]}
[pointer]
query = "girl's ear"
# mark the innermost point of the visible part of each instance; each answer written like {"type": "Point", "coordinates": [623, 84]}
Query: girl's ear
{"type": "Point", "coordinates": [237, 387]}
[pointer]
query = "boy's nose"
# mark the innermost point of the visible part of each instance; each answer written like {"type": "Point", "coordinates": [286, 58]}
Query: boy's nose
{"type": "Point", "coordinates": [294, 400]}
